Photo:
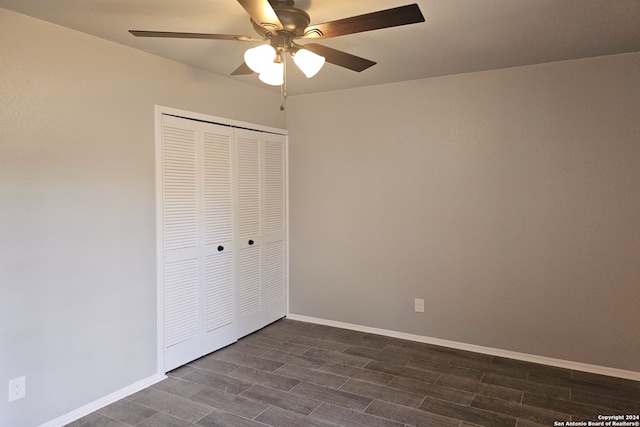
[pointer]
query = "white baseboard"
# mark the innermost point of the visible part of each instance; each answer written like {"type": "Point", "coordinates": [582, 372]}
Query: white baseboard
{"type": "Point", "coordinates": [104, 401]}
{"type": "Point", "coordinates": [578, 366]}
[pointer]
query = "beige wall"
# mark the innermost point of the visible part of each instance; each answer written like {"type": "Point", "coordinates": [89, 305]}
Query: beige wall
{"type": "Point", "coordinates": [77, 208]}
{"type": "Point", "coordinates": [509, 200]}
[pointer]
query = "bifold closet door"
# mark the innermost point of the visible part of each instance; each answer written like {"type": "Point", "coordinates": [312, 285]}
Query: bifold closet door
{"type": "Point", "coordinates": [261, 249]}
{"type": "Point", "coordinates": [249, 231]}
{"type": "Point", "coordinates": [275, 252]}
{"type": "Point", "coordinates": [196, 238]}
{"type": "Point", "coordinates": [219, 246]}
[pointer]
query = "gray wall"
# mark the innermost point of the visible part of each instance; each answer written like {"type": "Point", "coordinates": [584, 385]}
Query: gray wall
{"type": "Point", "coordinates": [509, 200]}
{"type": "Point", "coordinates": [77, 208]}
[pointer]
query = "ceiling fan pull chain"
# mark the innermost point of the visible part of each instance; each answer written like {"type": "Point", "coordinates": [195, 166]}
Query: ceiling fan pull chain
{"type": "Point", "coordinates": [283, 86]}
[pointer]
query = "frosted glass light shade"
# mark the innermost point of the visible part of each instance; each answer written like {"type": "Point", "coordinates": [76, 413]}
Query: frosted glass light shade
{"type": "Point", "coordinates": [259, 58]}
{"type": "Point", "coordinates": [308, 62]}
{"type": "Point", "coordinates": [273, 74]}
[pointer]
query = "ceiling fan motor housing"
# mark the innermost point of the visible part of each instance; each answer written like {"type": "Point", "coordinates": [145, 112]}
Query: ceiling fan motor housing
{"type": "Point", "coordinates": [293, 20]}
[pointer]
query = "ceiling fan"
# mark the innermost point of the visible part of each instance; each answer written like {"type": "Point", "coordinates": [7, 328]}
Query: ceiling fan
{"type": "Point", "coordinates": [280, 23]}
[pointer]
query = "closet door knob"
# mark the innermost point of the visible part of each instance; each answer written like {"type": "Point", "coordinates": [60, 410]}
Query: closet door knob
{"type": "Point", "coordinates": [220, 248]}
{"type": "Point", "coordinates": [250, 242]}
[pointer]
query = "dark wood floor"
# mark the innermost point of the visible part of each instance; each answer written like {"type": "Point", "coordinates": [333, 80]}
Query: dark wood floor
{"type": "Point", "coordinates": [299, 374]}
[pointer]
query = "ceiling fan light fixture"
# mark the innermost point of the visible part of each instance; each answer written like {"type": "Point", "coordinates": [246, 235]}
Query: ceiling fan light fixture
{"type": "Point", "coordinates": [309, 63]}
{"type": "Point", "coordinates": [260, 58]}
{"type": "Point", "coordinates": [273, 74]}
{"type": "Point", "coordinates": [280, 22]}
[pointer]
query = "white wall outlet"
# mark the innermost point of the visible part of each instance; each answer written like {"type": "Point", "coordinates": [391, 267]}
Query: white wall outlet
{"type": "Point", "coordinates": [419, 303]}
{"type": "Point", "coordinates": [17, 388]}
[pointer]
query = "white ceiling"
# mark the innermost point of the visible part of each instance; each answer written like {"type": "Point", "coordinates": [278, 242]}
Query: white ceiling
{"type": "Point", "coordinates": [459, 36]}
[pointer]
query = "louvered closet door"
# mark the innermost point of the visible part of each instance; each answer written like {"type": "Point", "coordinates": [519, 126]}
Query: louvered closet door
{"type": "Point", "coordinates": [261, 225]}
{"type": "Point", "coordinates": [219, 327]}
{"type": "Point", "coordinates": [197, 215]}
{"type": "Point", "coordinates": [180, 222]}
{"type": "Point", "coordinates": [274, 266]}
{"type": "Point", "coordinates": [249, 232]}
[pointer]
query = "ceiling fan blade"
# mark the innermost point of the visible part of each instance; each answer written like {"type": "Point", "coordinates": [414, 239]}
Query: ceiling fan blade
{"type": "Point", "coordinates": [262, 14]}
{"type": "Point", "coordinates": [242, 69]}
{"type": "Point", "coordinates": [170, 34]}
{"type": "Point", "coordinates": [339, 57]}
{"type": "Point", "coordinates": [403, 15]}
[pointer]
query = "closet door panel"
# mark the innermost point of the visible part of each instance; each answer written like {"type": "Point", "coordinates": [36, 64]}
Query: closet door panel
{"type": "Point", "coordinates": [274, 281]}
{"type": "Point", "coordinates": [180, 189]}
{"type": "Point", "coordinates": [182, 329]}
{"type": "Point", "coordinates": [248, 182]}
{"type": "Point", "coordinates": [219, 301]}
{"type": "Point", "coordinates": [249, 289]}
{"type": "Point", "coordinates": [218, 191]}
{"type": "Point", "coordinates": [218, 275]}
{"type": "Point", "coordinates": [180, 241]}
{"type": "Point", "coordinates": [274, 160]}
{"type": "Point", "coordinates": [249, 226]}
{"type": "Point", "coordinates": [274, 269]}
{"type": "Point", "coordinates": [219, 291]}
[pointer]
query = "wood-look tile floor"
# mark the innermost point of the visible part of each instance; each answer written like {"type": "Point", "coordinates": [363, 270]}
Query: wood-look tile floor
{"type": "Point", "coordinates": [300, 374]}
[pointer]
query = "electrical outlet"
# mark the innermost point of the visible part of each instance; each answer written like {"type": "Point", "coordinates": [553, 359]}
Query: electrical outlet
{"type": "Point", "coordinates": [419, 304]}
{"type": "Point", "coordinates": [17, 388]}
